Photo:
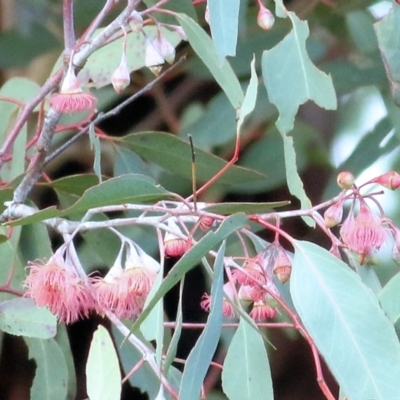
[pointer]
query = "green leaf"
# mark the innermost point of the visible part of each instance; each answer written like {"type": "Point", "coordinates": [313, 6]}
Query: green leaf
{"type": "Point", "coordinates": [130, 188]}
{"type": "Point", "coordinates": [250, 98]}
{"type": "Point", "coordinates": [389, 298]}
{"type": "Point", "coordinates": [191, 258]}
{"type": "Point", "coordinates": [246, 374]}
{"type": "Point", "coordinates": [21, 317]}
{"type": "Point", "coordinates": [154, 146]}
{"type": "Point", "coordinates": [35, 243]}
{"type": "Point", "coordinates": [51, 378]}
{"type": "Point", "coordinates": [178, 6]}
{"type": "Point", "coordinates": [74, 184]}
{"type": "Point", "coordinates": [102, 368]}
{"type": "Point", "coordinates": [199, 359]}
{"type": "Point", "coordinates": [224, 15]}
{"type": "Point", "coordinates": [128, 162]}
{"type": "Point", "coordinates": [95, 146]}
{"type": "Point", "coordinates": [248, 208]}
{"type": "Point", "coordinates": [387, 32]}
{"type": "Point", "coordinates": [292, 79]}
{"type": "Point", "coordinates": [346, 323]}
{"type": "Point", "coordinates": [205, 49]}
{"type": "Point", "coordinates": [359, 24]}
{"type": "Point", "coordinates": [293, 179]}
{"type": "Point", "coordinates": [11, 260]}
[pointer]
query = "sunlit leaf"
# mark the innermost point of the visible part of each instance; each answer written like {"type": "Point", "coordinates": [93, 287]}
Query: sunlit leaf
{"type": "Point", "coordinates": [389, 297]}
{"type": "Point", "coordinates": [224, 16]}
{"type": "Point", "coordinates": [51, 377]}
{"type": "Point", "coordinates": [154, 146]}
{"type": "Point", "coordinates": [246, 374]}
{"type": "Point", "coordinates": [199, 359]}
{"type": "Point", "coordinates": [292, 79]}
{"type": "Point", "coordinates": [21, 317]}
{"type": "Point", "coordinates": [345, 321]}
{"type": "Point", "coordinates": [102, 368]}
{"type": "Point", "coordinates": [205, 49]}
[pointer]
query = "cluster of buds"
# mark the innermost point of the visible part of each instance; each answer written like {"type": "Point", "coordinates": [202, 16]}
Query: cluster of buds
{"type": "Point", "coordinates": [363, 232]}
{"type": "Point", "coordinates": [253, 284]}
{"type": "Point", "coordinates": [123, 291]}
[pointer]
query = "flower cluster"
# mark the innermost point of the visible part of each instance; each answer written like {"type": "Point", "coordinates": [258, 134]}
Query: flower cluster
{"type": "Point", "coordinates": [253, 284]}
{"type": "Point", "coordinates": [123, 291]}
{"type": "Point", "coordinates": [363, 232]}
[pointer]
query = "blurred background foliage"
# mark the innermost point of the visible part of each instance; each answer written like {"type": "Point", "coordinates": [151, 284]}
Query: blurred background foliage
{"type": "Point", "coordinates": [361, 136]}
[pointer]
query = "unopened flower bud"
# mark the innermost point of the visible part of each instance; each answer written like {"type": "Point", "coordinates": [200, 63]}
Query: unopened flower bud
{"type": "Point", "coordinates": [206, 223]}
{"type": "Point", "coordinates": [164, 47]}
{"type": "Point", "coordinates": [390, 180]}
{"type": "Point", "coordinates": [120, 79]}
{"type": "Point", "coordinates": [283, 266]}
{"type": "Point", "coordinates": [333, 214]}
{"type": "Point", "coordinates": [136, 21]}
{"type": "Point", "coordinates": [345, 180]}
{"type": "Point", "coordinates": [174, 244]}
{"type": "Point", "coordinates": [265, 18]}
{"type": "Point", "coordinates": [153, 59]}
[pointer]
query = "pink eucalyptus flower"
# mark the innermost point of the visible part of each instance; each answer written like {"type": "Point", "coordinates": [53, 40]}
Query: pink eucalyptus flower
{"type": "Point", "coordinates": [262, 311]}
{"type": "Point", "coordinates": [364, 234]}
{"type": "Point", "coordinates": [56, 286]}
{"type": "Point", "coordinates": [71, 98]}
{"type": "Point", "coordinates": [254, 272]}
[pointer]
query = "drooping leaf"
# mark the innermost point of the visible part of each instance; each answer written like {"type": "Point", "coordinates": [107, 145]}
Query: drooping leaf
{"type": "Point", "coordinates": [292, 79]}
{"type": "Point", "coordinates": [102, 368]}
{"type": "Point", "coordinates": [22, 317]}
{"type": "Point", "coordinates": [199, 359]}
{"type": "Point", "coordinates": [389, 297]}
{"type": "Point", "coordinates": [154, 146]}
{"type": "Point", "coordinates": [130, 188]}
{"type": "Point", "coordinates": [387, 31]}
{"type": "Point", "coordinates": [344, 319]}
{"type": "Point", "coordinates": [205, 49]}
{"type": "Point", "coordinates": [248, 208]}
{"type": "Point", "coordinates": [250, 97]}
{"type": "Point", "coordinates": [95, 146]}
{"type": "Point", "coordinates": [51, 377]}
{"type": "Point", "coordinates": [246, 374]}
{"type": "Point", "coordinates": [224, 15]}
{"type": "Point", "coordinates": [191, 258]}
{"type": "Point", "coordinates": [293, 179]}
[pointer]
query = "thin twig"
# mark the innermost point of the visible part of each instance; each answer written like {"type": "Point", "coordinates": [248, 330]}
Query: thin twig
{"type": "Point", "coordinates": [68, 25]}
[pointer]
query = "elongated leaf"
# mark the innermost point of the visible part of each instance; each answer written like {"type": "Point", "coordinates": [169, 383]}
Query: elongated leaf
{"type": "Point", "coordinates": [248, 208]}
{"type": "Point", "coordinates": [249, 101]}
{"type": "Point", "coordinates": [387, 31]}
{"type": "Point", "coordinates": [205, 49]}
{"type": "Point", "coordinates": [155, 147]}
{"type": "Point", "coordinates": [346, 323]}
{"type": "Point", "coordinates": [389, 298]}
{"type": "Point", "coordinates": [21, 317]}
{"type": "Point", "coordinates": [293, 179]}
{"type": "Point", "coordinates": [130, 188]}
{"type": "Point", "coordinates": [246, 374]}
{"type": "Point", "coordinates": [74, 184]}
{"type": "Point", "coordinates": [128, 162]}
{"type": "Point", "coordinates": [224, 16]}
{"type": "Point", "coordinates": [51, 377]}
{"type": "Point", "coordinates": [199, 359]}
{"type": "Point", "coordinates": [102, 368]}
{"type": "Point", "coordinates": [193, 257]}
{"type": "Point", "coordinates": [292, 79]}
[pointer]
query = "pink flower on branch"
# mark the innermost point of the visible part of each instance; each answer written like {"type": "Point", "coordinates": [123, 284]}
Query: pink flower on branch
{"type": "Point", "coordinates": [364, 234]}
{"type": "Point", "coordinates": [58, 287]}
